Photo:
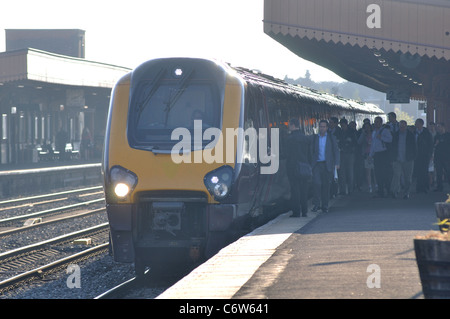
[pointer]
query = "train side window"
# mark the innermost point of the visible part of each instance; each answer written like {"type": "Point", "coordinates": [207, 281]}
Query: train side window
{"type": "Point", "coordinates": [250, 117]}
{"type": "Point", "coordinates": [250, 122]}
{"type": "Point", "coordinates": [262, 117]}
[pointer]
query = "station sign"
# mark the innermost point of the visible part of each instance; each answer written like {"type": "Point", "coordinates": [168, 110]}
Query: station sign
{"type": "Point", "coordinates": [75, 98]}
{"type": "Point", "coordinates": [398, 96]}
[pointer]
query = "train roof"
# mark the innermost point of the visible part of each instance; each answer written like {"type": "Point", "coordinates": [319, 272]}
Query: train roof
{"type": "Point", "coordinates": [304, 93]}
{"type": "Point", "coordinates": [295, 91]}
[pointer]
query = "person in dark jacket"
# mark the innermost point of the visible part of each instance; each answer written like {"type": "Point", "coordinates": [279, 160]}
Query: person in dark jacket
{"type": "Point", "coordinates": [325, 160]}
{"type": "Point", "coordinates": [424, 151]}
{"type": "Point", "coordinates": [404, 152]}
{"type": "Point", "coordinates": [333, 128]}
{"type": "Point", "coordinates": [347, 146]}
{"type": "Point", "coordinates": [379, 152]}
{"type": "Point", "coordinates": [298, 150]}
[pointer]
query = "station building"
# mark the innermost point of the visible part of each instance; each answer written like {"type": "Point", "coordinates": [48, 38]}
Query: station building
{"type": "Point", "coordinates": [49, 91]}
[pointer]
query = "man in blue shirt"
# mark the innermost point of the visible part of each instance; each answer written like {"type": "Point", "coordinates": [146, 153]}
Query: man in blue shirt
{"type": "Point", "coordinates": [326, 158]}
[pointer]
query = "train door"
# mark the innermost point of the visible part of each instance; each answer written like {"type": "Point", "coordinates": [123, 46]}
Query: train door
{"type": "Point", "coordinates": [249, 180]}
{"type": "Point", "coordinates": [278, 116]}
{"type": "Point", "coordinates": [264, 123]}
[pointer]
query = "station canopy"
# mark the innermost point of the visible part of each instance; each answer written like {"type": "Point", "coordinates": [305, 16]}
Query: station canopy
{"type": "Point", "coordinates": [400, 47]}
{"type": "Point", "coordinates": [26, 65]}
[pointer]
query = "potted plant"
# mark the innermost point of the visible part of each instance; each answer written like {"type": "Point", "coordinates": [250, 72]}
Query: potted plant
{"type": "Point", "coordinates": [433, 258]}
{"type": "Point", "coordinates": [443, 214]}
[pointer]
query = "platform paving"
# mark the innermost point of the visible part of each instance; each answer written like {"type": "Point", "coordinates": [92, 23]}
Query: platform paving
{"type": "Point", "coordinates": [363, 248]}
{"type": "Point", "coordinates": [346, 253]}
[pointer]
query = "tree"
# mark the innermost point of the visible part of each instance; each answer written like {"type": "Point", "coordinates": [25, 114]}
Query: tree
{"type": "Point", "coordinates": [403, 116]}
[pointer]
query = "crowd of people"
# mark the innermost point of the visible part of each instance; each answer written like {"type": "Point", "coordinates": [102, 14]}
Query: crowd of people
{"type": "Point", "coordinates": [381, 158]}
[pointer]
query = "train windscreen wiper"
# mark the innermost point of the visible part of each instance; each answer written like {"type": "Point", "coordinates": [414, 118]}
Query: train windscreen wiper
{"type": "Point", "coordinates": [152, 91]}
{"type": "Point", "coordinates": [178, 93]}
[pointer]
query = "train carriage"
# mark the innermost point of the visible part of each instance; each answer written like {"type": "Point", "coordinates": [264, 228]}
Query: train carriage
{"type": "Point", "coordinates": [194, 155]}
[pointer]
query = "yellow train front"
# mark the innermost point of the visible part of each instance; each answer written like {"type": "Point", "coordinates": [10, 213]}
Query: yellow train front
{"type": "Point", "coordinates": [166, 200]}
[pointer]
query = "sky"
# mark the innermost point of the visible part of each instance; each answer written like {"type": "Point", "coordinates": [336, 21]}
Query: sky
{"type": "Point", "coordinates": [128, 33]}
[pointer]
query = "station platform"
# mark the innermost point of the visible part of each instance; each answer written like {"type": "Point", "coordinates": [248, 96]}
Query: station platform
{"type": "Point", "coordinates": [38, 178]}
{"type": "Point", "coordinates": [334, 255]}
{"type": "Point", "coordinates": [46, 164]}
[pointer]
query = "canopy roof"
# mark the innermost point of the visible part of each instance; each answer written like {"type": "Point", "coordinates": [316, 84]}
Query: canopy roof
{"type": "Point", "coordinates": [36, 65]}
{"type": "Point", "coordinates": [388, 45]}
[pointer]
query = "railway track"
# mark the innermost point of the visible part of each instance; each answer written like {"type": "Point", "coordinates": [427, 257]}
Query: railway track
{"type": "Point", "coordinates": [15, 219]}
{"type": "Point", "coordinates": [41, 273]}
{"type": "Point", "coordinates": [45, 198]}
{"type": "Point", "coordinates": [40, 243]}
{"type": "Point", "coordinates": [16, 230]}
{"type": "Point", "coordinates": [27, 206]}
{"type": "Point", "coordinates": [152, 284]}
{"type": "Point", "coordinates": [45, 213]}
{"type": "Point", "coordinates": [36, 262]}
{"type": "Point", "coordinates": [18, 265]}
{"type": "Point", "coordinates": [120, 290]}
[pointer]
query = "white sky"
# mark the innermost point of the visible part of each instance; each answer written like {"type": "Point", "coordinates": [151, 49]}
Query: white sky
{"type": "Point", "coordinates": [129, 32]}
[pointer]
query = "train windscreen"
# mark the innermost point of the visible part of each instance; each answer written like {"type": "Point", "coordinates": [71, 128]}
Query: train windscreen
{"type": "Point", "coordinates": [171, 95]}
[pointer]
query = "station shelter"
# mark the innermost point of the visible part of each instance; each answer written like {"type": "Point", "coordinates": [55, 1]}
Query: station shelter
{"type": "Point", "coordinates": [43, 94]}
{"type": "Point", "coordinates": [400, 47]}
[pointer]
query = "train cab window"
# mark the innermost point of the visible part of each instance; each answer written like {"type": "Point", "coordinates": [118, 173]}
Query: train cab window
{"type": "Point", "coordinates": [165, 111]}
{"type": "Point", "coordinates": [176, 97]}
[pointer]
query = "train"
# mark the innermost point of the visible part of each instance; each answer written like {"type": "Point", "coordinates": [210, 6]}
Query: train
{"type": "Point", "coordinates": [195, 155]}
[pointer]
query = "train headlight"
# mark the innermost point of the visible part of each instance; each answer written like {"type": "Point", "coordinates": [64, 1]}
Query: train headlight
{"type": "Point", "coordinates": [123, 181]}
{"type": "Point", "coordinates": [218, 182]}
{"type": "Point", "coordinates": [220, 190]}
{"type": "Point", "coordinates": [121, 190]}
